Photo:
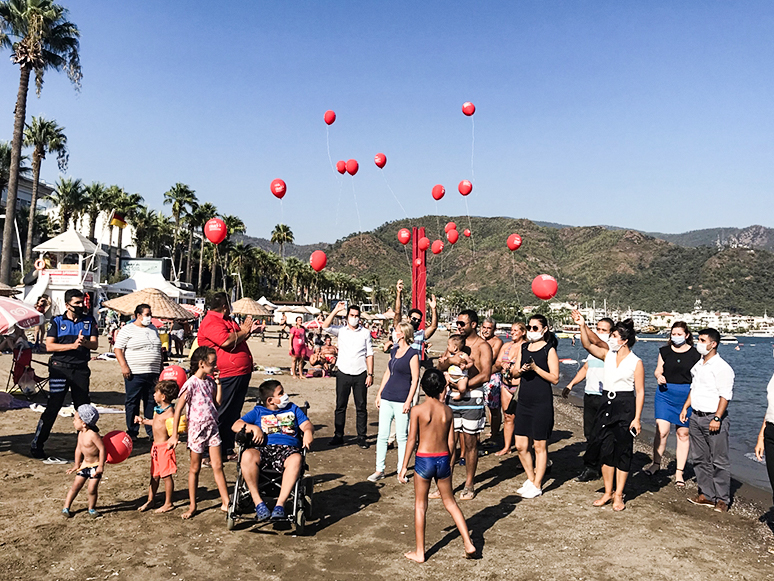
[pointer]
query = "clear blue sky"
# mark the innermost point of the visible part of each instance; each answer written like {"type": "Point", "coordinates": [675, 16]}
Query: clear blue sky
{"type": "Point", "coordinates": [652, 115]}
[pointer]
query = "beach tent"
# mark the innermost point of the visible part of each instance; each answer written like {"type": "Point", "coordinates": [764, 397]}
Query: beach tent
{"type": "Point", "coordinates": [142, 280]}
{"type": "Point", "coordinates": [69, 242]}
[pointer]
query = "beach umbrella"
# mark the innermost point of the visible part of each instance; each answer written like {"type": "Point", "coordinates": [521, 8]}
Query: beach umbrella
{"type": "Point", "coordinates": [15, 313]}
{"type": "Point", "coordinates": [248, 306]}
{"type": "Point", "coordinates": [162, 306]}
{"type": "Point", "coordinates": [7, 291]}
{"type": "Point", "coordinates": [193, 309]}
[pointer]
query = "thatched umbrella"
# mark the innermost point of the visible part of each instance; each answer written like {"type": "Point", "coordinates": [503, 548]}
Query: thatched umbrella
{"type": "Point", "coordinates": [8, 291]}
{"type": "Point", "coordinates": [248, 306]}
{"type": "Point", "coordinates": [162, 306]}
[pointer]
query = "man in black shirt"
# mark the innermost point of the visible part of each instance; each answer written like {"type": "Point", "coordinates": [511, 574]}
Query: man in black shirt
{"type": "Point", "coordinates": [70, 338]}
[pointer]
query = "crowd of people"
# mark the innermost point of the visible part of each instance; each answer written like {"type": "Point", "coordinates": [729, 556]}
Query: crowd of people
{"type": "Point", "coordinates": [477, 375]}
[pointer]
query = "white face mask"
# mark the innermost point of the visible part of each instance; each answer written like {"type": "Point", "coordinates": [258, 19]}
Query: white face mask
{"type": "Point", "coordinates": [603, 336]}
{"type": "Point", "coordinates": [284, 400]}
{"type": "Point", "coordinates": [614, 345]}
{"type": "Point", "coordinates": [702, 348]}
{"type": "Point", "coordinates": [353, 321]}
{"type": "Point", "coordinates": [678, 340]}
{"type": "Point", "coordinates": [146, 321]}
{"type": "Point", "coordinates": [533, 336]}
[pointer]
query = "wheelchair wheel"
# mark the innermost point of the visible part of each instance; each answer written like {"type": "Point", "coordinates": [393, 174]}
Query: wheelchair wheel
{"type": "Point", "coordinates": [300, 521]}
{"type": "Point", "coordinates": [230, 523]}
{"type": "Point", "coordinates": [308, 493]}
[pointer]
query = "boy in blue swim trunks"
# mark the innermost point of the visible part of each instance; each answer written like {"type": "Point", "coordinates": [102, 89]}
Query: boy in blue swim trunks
{"type": "Point", "coordinates": [280, 429]}
{"type": "Point", "coordinates": [431, 432]}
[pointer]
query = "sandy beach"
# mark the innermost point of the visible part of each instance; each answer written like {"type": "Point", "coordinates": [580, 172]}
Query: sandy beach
{"type": "Point", "coordinates": [362, 529]}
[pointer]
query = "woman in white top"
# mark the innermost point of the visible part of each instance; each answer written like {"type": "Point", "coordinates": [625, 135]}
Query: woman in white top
{"type": "Point", "coordinates": [618, 420]}
{"type": "Point", "coordinates": [766, 435]}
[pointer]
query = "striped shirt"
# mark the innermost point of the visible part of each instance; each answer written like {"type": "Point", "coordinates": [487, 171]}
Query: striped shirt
{"type": "Point", "coordinates": [142, 348]}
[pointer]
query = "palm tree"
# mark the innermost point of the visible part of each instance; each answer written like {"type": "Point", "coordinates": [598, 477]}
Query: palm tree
{"type": "Point", "coordinates": [182, 198]}
{"type": "Point", "coordinates": [44, 137]}
{"type": "Point", "coordinates": [110, 199]}
{"type": "Point", "coordinates": [70, 198]}
{"type": "Point", "coordinates": [199, 217]}
{"type": "Point", "coordinates": [282, 235]}
{"type": "Point", "coordinates": [95, 192]}
{"type": "Point", "coordinates": [5, 164]}
{"type": "Point", "coordinates": [127, 206]}
{"type": "Point", "coordinates": [40, 37]}
{"type": "Point", "coordinates": [145, 223]}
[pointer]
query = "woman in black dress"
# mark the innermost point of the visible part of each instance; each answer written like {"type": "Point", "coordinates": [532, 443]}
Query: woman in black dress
{"type": "Point", "coordinates": [538, 368]}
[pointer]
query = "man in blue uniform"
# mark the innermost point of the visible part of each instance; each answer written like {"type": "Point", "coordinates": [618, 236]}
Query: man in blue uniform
{"type": "Point", "coordinates": [70, 339]}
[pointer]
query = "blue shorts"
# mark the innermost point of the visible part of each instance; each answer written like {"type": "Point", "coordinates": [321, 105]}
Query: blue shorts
{"type": "Point", "coordinates": [429, 466]}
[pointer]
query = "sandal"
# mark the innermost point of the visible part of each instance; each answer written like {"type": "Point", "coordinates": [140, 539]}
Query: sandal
{"type": "Point", "coordinates": [467, 494]}
{"type": "Point", "coordinates": [680, 484]}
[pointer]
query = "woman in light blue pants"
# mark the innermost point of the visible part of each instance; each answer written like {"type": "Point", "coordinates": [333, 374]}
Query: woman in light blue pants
{"type": "Point", "coordinates": [394, 398]}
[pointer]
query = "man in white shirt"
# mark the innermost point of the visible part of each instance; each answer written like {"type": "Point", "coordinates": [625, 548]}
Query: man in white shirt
{"type": "Point", "coordinates": [355, 374]}
{"type": "Point", "coordinates": [712, 387]}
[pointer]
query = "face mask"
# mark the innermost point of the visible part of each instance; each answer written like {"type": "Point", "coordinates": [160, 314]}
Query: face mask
{"type": "Point", "coordinates": [146, 321]}
{"type": "Point", "coordinates": [702, 348]}
{"type": "Point", "coordinates": [284, 400]}
{"type": "Point", "coordinates": [678, 340]}
{"type": "Point", "coordinates": [533, 336]}
{"type": "Point", "coordinates": [604, 336]}
{"type": "Point", "coordinates": [353, 321]}
{"type": "Point", "coordinates": [615, 346]}
{"type": "Point", "coordinates": [415, 324]}
{"type": "Point", "coordinates": [77, 311]}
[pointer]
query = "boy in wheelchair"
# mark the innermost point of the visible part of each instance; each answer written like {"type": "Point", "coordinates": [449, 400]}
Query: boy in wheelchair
{"type": "Point", "coordinates": [278, 429]}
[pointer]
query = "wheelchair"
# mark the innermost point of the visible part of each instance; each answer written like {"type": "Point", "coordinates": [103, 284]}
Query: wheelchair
{"type": "Point", "coordinates": [241, 506]}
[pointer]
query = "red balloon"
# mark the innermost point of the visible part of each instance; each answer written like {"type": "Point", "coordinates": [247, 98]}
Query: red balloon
{"type": "Point", "coordinates": [278, 188]}
{"type": "Point", "coordinates": [330, 117]}
{"type": "Point", "coordinates": [404, 235]}
{"type": "Point", "coordinates": [438, 191]}
{"type": "Point", "coordinates": [352, 167]}
{"type": "Point", "coordinates": [452, 236]}
{"type": "Point", "coordinates": [468, 108]}
{"type": "Point", "coordinates": [466, 233]}
{"type": "Point", "coordinates": [437, 247]}
{"type": "Point", "coordinates": [423, 243]}
{"type": "Point", "coordinates": [418, 262]}
{"type": "Point", "coordinates": [380, 160]}
{"type": "Point", "coordinates": [318, 260]}
{"type": "Point", "coordinates": [450, 226]}
{"type": "Point", "coordinates": [465, 187]}
{"type": "Point", "coordinates": [514, 241]}
{"type": "Point", "coordinates": [341, 167]}
{"type": "Point", "coordinates": [174, 373]}
{"type": "Point", "coordinates": [544, 286]}
{"type": "Point", "coordinates": [215, 230]}
{"type": "Point", "coordinates": [118, 446]}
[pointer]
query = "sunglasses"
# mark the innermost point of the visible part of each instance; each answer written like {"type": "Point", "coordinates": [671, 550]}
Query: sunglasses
{"type": "Point", "coordinates": [460, 323]}
{"type": "Point", "coordinates": [533, 328]}
{"type": "Point", "coordinates": [415, 320]}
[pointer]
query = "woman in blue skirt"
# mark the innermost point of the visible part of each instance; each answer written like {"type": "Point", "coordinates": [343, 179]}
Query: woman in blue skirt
{"type": "Point", "coordinates": [673, 373]}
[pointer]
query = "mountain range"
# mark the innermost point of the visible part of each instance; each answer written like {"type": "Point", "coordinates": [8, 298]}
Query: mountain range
{"type": "Point", "coordinates": [728, 269]}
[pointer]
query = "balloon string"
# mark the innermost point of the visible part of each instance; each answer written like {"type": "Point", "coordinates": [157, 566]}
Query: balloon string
{"type": "Point", "coordinates": [393, 193]}
{"type": "Point", "coordinates": [472, 148]}
{"type": "Point", "coordinates": [338, 202]}
{"type": "Point", "coordinates": [437, 218]}
{"type": "Point", "coordinates": [282, 212]}
{"type": "Point", "coordinates": [354, 195]}
{"type": "Point", "coordinates": [470, 227]}
{"type": "Point", "coordinates": [328, 145]}
{"type": "Point", "coordinates": [405, 250]}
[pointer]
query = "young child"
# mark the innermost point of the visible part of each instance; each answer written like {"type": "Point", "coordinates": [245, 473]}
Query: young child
{"type": "Point", "coordinates": [90, 456]}
{"type": "Point", "coordinates": [457, 374]}
{"type": "Point", "coordinates": [163, 461]}
{"type": "Point", "coordinates": [431, 432]}
{"type": "Point", "coordinates": [277, 427]}
{"type": "Point", "coordinates": [201, 393]}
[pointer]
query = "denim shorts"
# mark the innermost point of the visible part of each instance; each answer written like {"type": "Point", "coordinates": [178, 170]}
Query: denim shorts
{"type": "Point", "coordinates": [429, 466]}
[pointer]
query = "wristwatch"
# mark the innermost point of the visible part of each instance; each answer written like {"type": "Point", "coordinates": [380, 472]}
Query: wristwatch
{"type": "Point", "coordinates": [370, 375]}
{"type": "Point", "coordinates": [716, 419]}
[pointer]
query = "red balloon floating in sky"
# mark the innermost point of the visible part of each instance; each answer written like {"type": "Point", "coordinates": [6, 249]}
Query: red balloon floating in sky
{"type": "Point", "coordinates": [465, 187]}
{"type": "Point", "coordinates": [452, 236]}
{"type": "Point", "coordinates": [352, 167]}
{"type": "Point", "coordinates": [437, 247]}
{"type": "Point", "coordinates": [544, 286]}
{"type": "Point", "coordinates": [466, 233]}
{"type": "Point", "coordinates": [468, 108]}
{"type": "Point", "coordinates": [423, 243]}
{"type": "Point", "coordinates": [438, 192]}
{"type": "Point", "coordinates": [215, 230]}
{"type": "Point", "coordinates": [404, 235]}
{"type": "Point", "coordinates": [380, 160]}
{"type": "Point", "coordinates": [278, 188]}
{"type": "Point", "coordinates": [514, 241]}
{"type": "Point", "coordinates": [450, 226]}
{"type": "Point", "coordinates": [330, 117]}
{"type": "Point", "coordinates": [318, 260]}
{"type": "Point", "coordinates": [341, 167]}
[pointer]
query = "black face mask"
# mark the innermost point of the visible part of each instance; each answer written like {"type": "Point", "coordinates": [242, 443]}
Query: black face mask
{"type": "Point", "coordinates": [78, 311]}
{"type": "Point", "coordinates": [415, 324]}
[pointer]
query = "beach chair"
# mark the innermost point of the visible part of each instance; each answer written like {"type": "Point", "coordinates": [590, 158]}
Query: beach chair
{"type": "Point", "coordinates": [22, 378]}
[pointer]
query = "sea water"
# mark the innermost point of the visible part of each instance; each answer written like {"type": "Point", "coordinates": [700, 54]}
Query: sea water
{"type": "Point", "coordinates": [753, 366]}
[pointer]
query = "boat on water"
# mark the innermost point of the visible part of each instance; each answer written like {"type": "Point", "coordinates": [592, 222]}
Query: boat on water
{"type": "Point", "coordinates": [728, 340]}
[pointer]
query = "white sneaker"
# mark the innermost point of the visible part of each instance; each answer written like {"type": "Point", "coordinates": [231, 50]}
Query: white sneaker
{"type": "Point", "coordinates": [532, 491]}
{"type": "Point", "coordinates": [524, 486]}
{"type": "Point", "coordinates": [376, 476]}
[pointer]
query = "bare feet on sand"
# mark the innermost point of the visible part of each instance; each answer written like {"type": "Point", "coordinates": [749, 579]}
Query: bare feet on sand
{"type": "Point", "coordinates": [415, 556]}
{"type": "Point", "coordinates": [147, 506]}
{"type": "Point", "coordinates": [503, 452]}
{"type": "Point", "coordinates": [224, 507]}
{"type": "Point", "coordinates": [165, 508]}
{"type": "Point", "coordinates": [603, 500]}
{"type": "Point", "coordinates": [470, 551]}
{"type": "Point", "coordinates": [434, 494]}
{"type": "Point", "coordinates": [189, 513]}
{"type": "Point", "coordinates": [618, 502]}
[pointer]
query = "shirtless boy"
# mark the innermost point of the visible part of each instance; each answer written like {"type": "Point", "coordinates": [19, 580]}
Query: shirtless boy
{"type": "Point", "coordinates": [90, 457]}
{"type": "Point", "coordinates": [431, 433]}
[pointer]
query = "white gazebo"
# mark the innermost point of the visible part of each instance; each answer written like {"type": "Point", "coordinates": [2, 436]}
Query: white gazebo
{"type": "Point", "coordinates": [142, 280]}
